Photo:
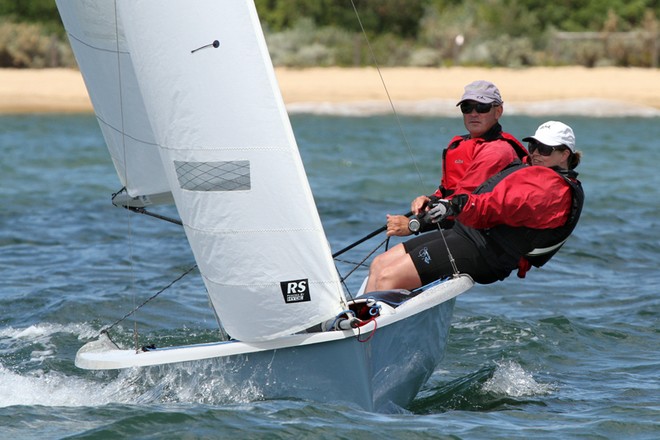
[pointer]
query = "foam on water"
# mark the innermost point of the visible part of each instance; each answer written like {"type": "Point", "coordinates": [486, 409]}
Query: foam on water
{"type": "Point", "coordinates": [57, 389]}
{"type": "Point", "coordinates": [510, 379]}
{"type": "Point", "coordinates": [33, 383]}
{"type": "Point", "coordinates": [44, 331]}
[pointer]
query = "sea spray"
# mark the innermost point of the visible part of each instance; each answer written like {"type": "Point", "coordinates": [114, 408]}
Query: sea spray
{"type": "Point", "coordinates": [510, 379]}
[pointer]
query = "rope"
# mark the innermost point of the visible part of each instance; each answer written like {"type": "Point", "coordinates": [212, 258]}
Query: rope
{"type": "Point", "coordinates": [370, 336]}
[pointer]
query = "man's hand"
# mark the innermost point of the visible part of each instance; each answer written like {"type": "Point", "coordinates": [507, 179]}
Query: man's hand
{"type": "Point", "coordinates": [397, 225]}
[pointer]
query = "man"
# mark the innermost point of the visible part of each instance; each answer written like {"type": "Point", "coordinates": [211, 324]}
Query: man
{"type": "Point", "coordinates": [469, 159]}
{"type": "Point", "coordinates": [518, 218]}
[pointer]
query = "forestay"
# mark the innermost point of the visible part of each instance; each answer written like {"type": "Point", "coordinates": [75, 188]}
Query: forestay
{"type": "Point", "coordinates": [226, 148]}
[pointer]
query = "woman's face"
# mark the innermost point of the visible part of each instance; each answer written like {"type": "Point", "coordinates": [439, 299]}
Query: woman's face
{"type": "Point", "coordinates": [558, 157]}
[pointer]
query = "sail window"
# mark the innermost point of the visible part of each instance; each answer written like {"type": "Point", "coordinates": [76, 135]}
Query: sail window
{"type": "Point", "coordinates": [214, 176]}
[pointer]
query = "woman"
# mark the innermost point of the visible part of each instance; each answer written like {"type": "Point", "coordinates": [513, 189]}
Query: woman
{"type": "Point", "coordinates": [518, 218]}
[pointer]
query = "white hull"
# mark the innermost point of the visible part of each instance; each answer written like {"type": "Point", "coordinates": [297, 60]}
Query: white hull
{"type": "Point", "coordinates": [374, 371]}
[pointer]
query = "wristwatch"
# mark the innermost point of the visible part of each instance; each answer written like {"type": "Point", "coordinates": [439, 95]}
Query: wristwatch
{"type": "Point", "coordinates": [414, 225]}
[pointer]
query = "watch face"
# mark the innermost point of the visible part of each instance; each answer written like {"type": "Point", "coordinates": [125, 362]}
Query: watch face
{"type": "Point", "coordinates": [414, 225]}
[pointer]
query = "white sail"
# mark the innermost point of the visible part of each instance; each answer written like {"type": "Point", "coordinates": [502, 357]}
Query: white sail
{"type": "Point", "coordinates": [232, 163]}
{"type": "Point", "coordinates": [99, 46]}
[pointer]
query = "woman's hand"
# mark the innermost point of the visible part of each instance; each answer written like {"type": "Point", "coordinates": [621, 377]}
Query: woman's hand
{"type": "Point", "coordinates": [420, 204]}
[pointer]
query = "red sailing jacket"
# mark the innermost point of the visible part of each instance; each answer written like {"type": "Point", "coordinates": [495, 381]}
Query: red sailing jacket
{"type": "Point", "coordinates": [533, 197]}
{"type": "Point", "coordinates": [527, 212]}
{"type": "Point", "coordinates": [467, 163]}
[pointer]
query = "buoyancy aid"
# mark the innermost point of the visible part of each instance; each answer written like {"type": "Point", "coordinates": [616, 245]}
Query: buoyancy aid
{"type": "Point", "coordinates": [536, 246]}
{"type": "Point", "coordinates": [542, 254]}
{"type": "Point", "coordinates": [456, 161]}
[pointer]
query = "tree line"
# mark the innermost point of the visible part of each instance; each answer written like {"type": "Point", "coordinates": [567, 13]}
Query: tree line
{"type": "Point", "coordinates": [401, 32]}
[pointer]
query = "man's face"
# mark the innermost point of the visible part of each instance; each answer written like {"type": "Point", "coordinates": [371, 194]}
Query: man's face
{"type": "Point", "coordinates": [479, 123]}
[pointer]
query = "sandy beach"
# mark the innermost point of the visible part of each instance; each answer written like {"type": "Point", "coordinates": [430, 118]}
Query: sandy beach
{"type": "Point", "coordinates": [536, 91]}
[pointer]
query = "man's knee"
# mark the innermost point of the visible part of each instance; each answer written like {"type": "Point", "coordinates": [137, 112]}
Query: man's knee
{"type": "Point", "coordinates": [389, 277]}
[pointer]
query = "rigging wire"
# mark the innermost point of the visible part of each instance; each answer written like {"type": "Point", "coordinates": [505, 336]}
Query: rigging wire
{"type": "Point", "coordinates": [135, 309]}
{"type": "Point", "coordinates": [387, 92]}
{"type": "Point", "coordinates": [123, 145]}
{"type": "Point", "coordinates": [361, 263]}
{"type": "Point", "coordinates": [405, 139]}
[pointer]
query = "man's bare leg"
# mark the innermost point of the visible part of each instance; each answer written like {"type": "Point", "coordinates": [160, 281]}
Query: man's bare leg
{"type": "Point", "coordinates": [393, 269]}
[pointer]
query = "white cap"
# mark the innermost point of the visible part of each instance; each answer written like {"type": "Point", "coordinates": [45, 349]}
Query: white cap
{"type": "Point", "coordinates": [554, 134]}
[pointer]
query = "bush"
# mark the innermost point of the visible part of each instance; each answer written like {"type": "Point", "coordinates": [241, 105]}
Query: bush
{"type": "Point", "coordinates": [628, 51]}
{"type": "Point", "coordinates": [305, 45]}
{"type": "Point", "coordinates": [425, 57]}
{"type": "Point", "coordinates": [511, 52]}
{"type": "Point", "coordinates": [24, 45]}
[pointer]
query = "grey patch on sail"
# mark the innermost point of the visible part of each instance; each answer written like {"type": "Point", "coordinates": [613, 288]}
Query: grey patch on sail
{"type": "Point", "coordinates": [214, 176]}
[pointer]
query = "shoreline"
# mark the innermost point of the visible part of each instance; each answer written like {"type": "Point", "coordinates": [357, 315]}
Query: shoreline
{"type": "Point", "coordinates": [417, 91]}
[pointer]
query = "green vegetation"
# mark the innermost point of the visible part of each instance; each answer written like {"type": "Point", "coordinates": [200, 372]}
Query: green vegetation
{"type": "Point", "coordinates": [302, 33]}
{"type": "Point", "coordinates": [32, 35]}
{"type": "Point", "coordinates": [466, 32]}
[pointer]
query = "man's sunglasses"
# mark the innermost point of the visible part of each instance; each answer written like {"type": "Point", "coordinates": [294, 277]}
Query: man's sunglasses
{"type": "Point", "coordinates": [544, 150]}
{"type": "Point", "coordinates": [467, 107]}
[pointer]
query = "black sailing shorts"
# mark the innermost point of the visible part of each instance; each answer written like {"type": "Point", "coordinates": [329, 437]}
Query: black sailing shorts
{"type": "Point", "coordinates": [430, 257]}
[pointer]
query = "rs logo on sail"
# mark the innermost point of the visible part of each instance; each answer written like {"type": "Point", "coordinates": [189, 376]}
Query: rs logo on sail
{"type": "Point", "coordinates": [295, 291]}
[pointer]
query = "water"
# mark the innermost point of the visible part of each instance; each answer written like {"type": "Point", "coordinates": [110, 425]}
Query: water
{"type": "Point", "coordinates": [569, 352]}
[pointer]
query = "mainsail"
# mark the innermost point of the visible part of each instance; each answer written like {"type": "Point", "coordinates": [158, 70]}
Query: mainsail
{"type": "Point", "coordinates": [194, 82]}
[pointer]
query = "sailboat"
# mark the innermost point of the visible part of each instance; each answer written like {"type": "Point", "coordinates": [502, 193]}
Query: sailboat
{"type": "Point", "coordinates": [189, 106]}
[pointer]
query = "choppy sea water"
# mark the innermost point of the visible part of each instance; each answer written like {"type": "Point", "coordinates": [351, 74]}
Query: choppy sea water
{"type": "Point", "coordinates": [569, 352]}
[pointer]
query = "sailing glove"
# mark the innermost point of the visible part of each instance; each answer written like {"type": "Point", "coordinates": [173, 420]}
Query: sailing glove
{"type": "Point", "coordinates": [447, 208]}
{"type": "Point", "coordinates": [439, 211]}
